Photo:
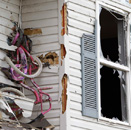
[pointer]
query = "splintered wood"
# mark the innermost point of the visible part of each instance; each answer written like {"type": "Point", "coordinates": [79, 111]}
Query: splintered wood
{"type": "Point", "coordinates": [64, 19]}
{"type": "Point", "coordinates": [63, 52]}
{"type": "Point", "coordinates": [52, 58]}
{"type": "Point", "coordinates": [64, 95]}
{"type": "Point", "coordinates": [30, 31]}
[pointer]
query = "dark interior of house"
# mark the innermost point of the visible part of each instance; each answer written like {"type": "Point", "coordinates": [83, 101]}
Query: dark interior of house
{"type": "Point", "coordinates": [111, 85]}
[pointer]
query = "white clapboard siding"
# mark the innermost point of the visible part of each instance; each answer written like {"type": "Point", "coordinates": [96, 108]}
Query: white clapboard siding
{"type": "Point", "coordinates": [81, 19]}
{"type": "Point", "coordinates": [80, 9]}
{"type": "Point", "coordinates": [9, 11]}
{"type": "Point", "coordinates": [84, 3]}
{"type": "Point", "coordinates": [34, 2]}
{"type": "Point", "coordinates": [80, 25]}
{"type": "Point", "coordinates": [41, 23]}
{"type": "Point", "coordinates": [13, 2]}
{"type": "Point", "coordinates": [4, 30]}
{"type": "Point", "coordinates": [39, 7]}
{"type": "Point", "coordinates": [45, 39]}
{"type": "Point", "coordinates": [74, 47]}
{"type": "Point", "coordinates": [40, 15]}
{"type": "Point", "coordinates": [46, 47]}
{"type": "Point", "coordinates": [6, 22]}
{"type": "Point", "coordinates": [9, 7]}
{"type": "Point", "coordinates": [77, 32]}
{"type": "Point", "coordinates": [43, 14]}
{"type": "Point", "coordinates": [8, 15]}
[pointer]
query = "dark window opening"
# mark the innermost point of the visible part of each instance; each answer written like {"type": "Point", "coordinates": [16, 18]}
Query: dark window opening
{"type": "Point", "coordinates": [113, 36]}
{"type": "Point", "coordinates": [113, 48]}
{"type": "Point", "coordinates": [113, 95]}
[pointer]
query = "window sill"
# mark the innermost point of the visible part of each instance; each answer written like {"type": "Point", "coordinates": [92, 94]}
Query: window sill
{"type": "Point", "coordinates": [113, 121]}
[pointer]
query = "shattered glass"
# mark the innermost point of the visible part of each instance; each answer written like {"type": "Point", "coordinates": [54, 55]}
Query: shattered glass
{"type": "Point", "coordinates": [112, 37]}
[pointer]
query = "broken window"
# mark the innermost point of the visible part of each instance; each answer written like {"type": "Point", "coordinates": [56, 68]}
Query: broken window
{"type": "Point", "coordinates": [113, 93]}
{"type": "Point", "coordinates": [113, 54]}
{"type": "Point", "coordinates": [113, 37]}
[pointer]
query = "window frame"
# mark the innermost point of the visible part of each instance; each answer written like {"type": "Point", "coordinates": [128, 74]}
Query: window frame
{"type": "Point", "coordinates": [100, 4]}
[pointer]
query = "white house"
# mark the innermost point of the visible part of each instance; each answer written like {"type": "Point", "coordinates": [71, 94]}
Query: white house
{"type": "Point", "coordinates": [91, 73]}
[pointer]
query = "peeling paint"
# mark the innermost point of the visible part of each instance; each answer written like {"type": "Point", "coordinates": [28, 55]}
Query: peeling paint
{"type": "Point", "coordinates": [29, 31]}
{"type": "Point", "coordinates": [63, 52]}
{"type": "Point", "coordinates": [64, 93]}
{"type": "Point", "coordinates": [64, 19]}
{"type": "Point", "coordinates": [52, 58]}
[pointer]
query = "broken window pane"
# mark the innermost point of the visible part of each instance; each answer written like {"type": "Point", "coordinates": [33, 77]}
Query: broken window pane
{"type": "Point", "coordinates": [112, 37]}
{"type": "Point", "coordinates": [113, 93]}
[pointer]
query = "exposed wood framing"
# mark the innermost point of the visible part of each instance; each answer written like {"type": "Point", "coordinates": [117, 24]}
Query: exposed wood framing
{"type": "Point", "coordinates": [64, 93]}
{"type": "Point", "coordinates": [30, 31]}
{"type": "Point", "coordinates": [63, 52]}
{"type": "Point", "coordinates": [64, 19]}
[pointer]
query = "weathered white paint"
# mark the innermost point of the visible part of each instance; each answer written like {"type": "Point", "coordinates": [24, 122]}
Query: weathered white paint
{"type": "Point", "coordinates": [43, 14]}
{"type": "Point", "coordinates": [81, 19]}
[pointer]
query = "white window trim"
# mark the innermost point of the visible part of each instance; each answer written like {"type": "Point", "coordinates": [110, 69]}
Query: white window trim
{"type": "Point", "coordinates": [121, 67]}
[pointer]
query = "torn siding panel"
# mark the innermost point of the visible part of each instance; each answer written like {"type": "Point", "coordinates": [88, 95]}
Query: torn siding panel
{"type": "Point", "coordinates": [43, 15]}
{"type": "Point", "coordinates": [9, 11]}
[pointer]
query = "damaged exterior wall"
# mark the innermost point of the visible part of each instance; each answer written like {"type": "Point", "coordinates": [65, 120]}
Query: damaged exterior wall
{"type": "Point", "coordinates": [9, 11]}
{"type": "Point", "coordinates": [42, 16]}
{"type": "Point", "coordinates": [81, 19]}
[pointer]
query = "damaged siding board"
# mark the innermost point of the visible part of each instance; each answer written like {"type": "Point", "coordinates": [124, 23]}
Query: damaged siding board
{"type": "Point", "coordinates": [43, 15]}
{"type": "Point", "coordinates": [8, 12]}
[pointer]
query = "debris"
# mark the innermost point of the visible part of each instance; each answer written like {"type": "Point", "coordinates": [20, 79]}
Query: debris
{"type": "Point", "coordinates": [37, 123]}
{"type": "Point", "coordinates": [52, 58]}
